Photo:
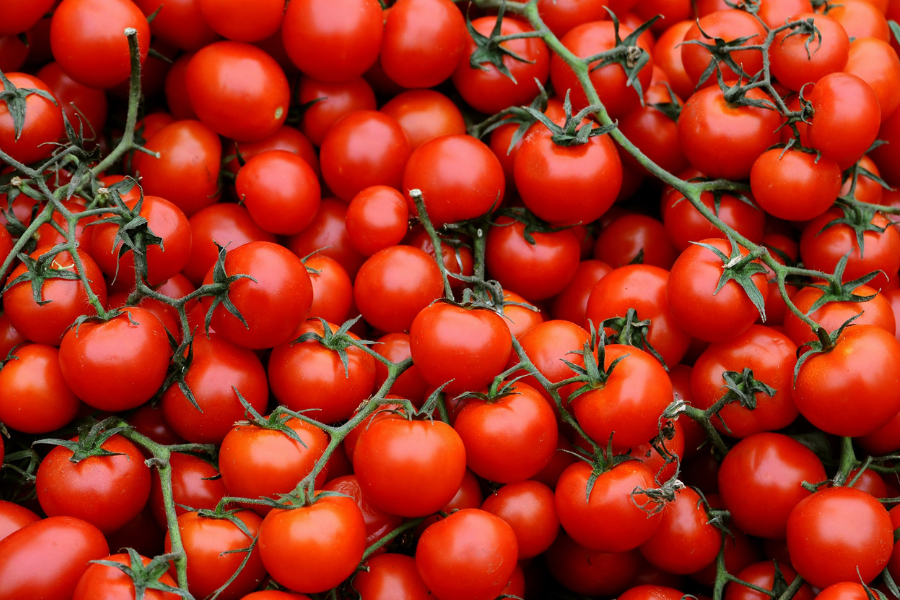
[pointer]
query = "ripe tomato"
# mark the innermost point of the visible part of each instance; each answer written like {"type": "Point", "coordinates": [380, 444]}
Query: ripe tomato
{"type": "Point", "coordinates": [98, 360]}
{"type": "Point", "coordinates": [280, 191]}
{"type": "Point", "coordinates": [861, 371]}
{"type": "Point", "coordinates": [760, 482]}
{"type": "Point", "coordinates": [394, 462]}
{"type": "Point", "coordinates": [207, 543]}
{"type": "Point", "coordinates": [48, 557]}
{"type": "Point", "coordinates": [591, 572]}
{"type": "Point", "coordinates": [87, 41]}
{"type": "Point", "coordinates": [242, 22]}
{"type": "Point", "coordinates": [643, 288]}
{"type": "Point", "coordinates": [328, 536]}
{"type": "Point", "coordinates": [327, 236]}
{"type": "Point", "coordinates": [824, 550]}
{"type": "Point", "coordinates": [696, 308]}
{"type": "Point", "coordinates": [187, 171]}
{"type": "Point", "coordinates": [105, 491]}
{"type": "Point", "coordinates": [34, 397]}
{"type": "Point", "coordinates": [195, 483]}
{"type": "Point", "coordinates": [90, 102]}
{"type": "Point", "coordinates": [477, 339]}
{"type": "Point", "coordinates": [610, 81]}
{"type": "Point", "coordinates": [470, 555]}
{"type": "Point", "coordinates": [684, 542]}
{"type": "Point", "coordinates": [394, 285]}
{"type": "Point", "coordinates": [43, 123]}
{"type": "Point", "coordinates": [102, 581]}
{"type": "Point", "coordinates": [630, 402]}
{"type": "Point", "coordinates": [377, 218]}
{"type": "Point", "coordinates": [423, 42]}
{"type": "Point", "coordinates": [424, 115]}
{"type": "Point", "coordinates": [391, 576]}
{"type": "Point", "coordinates": [794, 185]}
{"type": "Point", "coordinates": [772, 356]}
{"type": "Point", "coordinates": [840, 133]}
{"type": "Point", "coordinates": [509, 439]}
{"type": "Point", "coordinates": [876, 311]}
{"type": "Point", "coordinates": [273, 303]}
{"type": "Point", "coordinates": [876, 63]}
{"type": "Point", "coordinates": [729, 25]}
{"type": "Point", "coordinates": [610, 518]}
{"type": "Point", "coordinates": [794, 67]}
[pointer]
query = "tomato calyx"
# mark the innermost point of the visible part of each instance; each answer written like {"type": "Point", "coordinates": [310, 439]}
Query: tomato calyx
{"type": "Point", "coordinates": [626, 53]}
{"type": "Point", "coordinates": [740, 268]}
{"type": "Point", "coordinates": [593, 374]}
{"type": "Point", "coordinates": [631, 331]}
{"type": "Point", "coordinates": [90, 439]}
{"type": "Point", "coordinates": [15, 101]}
{"type": "Point", "coordinates": [338, 341]}
{"type": "Point", "coordinates": [859, 218]}
{"type": "Point", "coordinates": [488, 49]}
{"type": "Point", "coordinates": [146, 577]}
{"type": "Point", "coordinates": [219, 289]}
{"type": "Point", "coordinates": [570, 134]}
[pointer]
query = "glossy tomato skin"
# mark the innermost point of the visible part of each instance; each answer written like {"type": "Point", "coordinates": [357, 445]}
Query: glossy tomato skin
{"type": "Point", "coordinates": [273, 305]}
{"type": "Point", "coordinates": [708, 126]}
{"type": "Point", "coordinates": [470, 555]}
{"type": "Point", "coordinates": [229, 225]}
{"type": "Point", "coordinates": [34, 397]}
{"type": "Point", "coordinates": [839, 133]}
{"type": "Point", "coordinates": [187, 171]}
{"type": "Point", "coordinates": [729, 24]}
{"type": "Point", "coordinates": [48, 557]}
{"type": "Point", "coordinates": [610, 520]}
{"type": "Point", "coordinates": [110, 583]}
{"type": "Point", "coordinates": [328, 537]}
{"type": "Point", "coordinates": [831, 316]}
{"type": "Point", "coordinates": [510, 439]}
{"type": "Point", "coordinates": [772, 356]}
{"type": "Point", "coordinates": [536, 271]}
{"type": "Point", "coordinates": [242, 22]}
{"type": "Point", "coordinates": [394, 285]}
{"type": "Point", "coordinates": [310, 376]}
{"type": "Point", "coordinates": [592, 38]}
{"type": "Point", "coordinates": [705, 315]}
{"type": "Point", "coordinates": [218, 366]}
{"type": "Point", "coordinates": [760, 482]}
{"type": "Point", "coordinates": [589, 571]}
{"type": "Point", "coordinates": [105, 491]}
{"type": "Point", "coordinates": [825, 549]}
{"type": "Point", "coordinates": [423, 42]}
{"type": "Point", "coordinates": [98, 360]}
{"type": "Point", "coordinates": [333, 41]}
{"type": "Point", "coordinates": [560, 184]}
{"type": "Point", "coordinates": [853, 389]}
{"type": "Point", "coordinates": [794, 185]}
{"type": "Point", "coordinates": [425, 115]}
{"type": "Point", "coordinates": [391, 576]}
{"type": "Point", "coordinates": [363, 149]}
{"type": "Point", "coordinates": [630, 402]}
{"type": "Point", "coordinates": [280, 191]}
{"type": "Point", "coordinates": [249, 112]}
{"type": "Point", "coordinates": [684, 542]}
{"type": "Point", "coordinates": [643, 288]}
{"type": "Point", "coordinates": [87, 41]}
{"type": "Point", "coordinates": [465, 347]}
{"type": "Point", "coordinates": [206, 544]}
{"type": "Point", "coordinates": [394, 462]}
{"type": "Point", "coordinates": [459, 177]}
{"type": "Point", "coordinates": [195, 483]}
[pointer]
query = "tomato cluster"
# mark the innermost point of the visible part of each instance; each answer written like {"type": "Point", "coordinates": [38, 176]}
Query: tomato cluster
{"type": "Point", "coordinates": [354, 299]}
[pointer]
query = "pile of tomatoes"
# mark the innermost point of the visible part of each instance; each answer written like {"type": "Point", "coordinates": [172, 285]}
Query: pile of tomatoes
{"type": "Point", "coordinates": [352, 299]}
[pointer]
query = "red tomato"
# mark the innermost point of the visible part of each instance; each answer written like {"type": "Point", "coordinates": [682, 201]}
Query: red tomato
{"type": "Point", "coordinates": [424, 115]}
{"type": "Point", "coordinates": [105, 491]}
{"type": "Point", "coordinates": [48, 557]}
{"type": "Point", "coordinates": [280, 191]}
{"type": "Point", "coordinates": [240, 21]}
{"type": "Point", "coordinates": [328, 537]}
{"type": "Point", "coordinates": [684, 542]}
{"type": "Point", "coordinates": [470, 555]}
{"type": "Point", "coordinates": [729, 25]}
{"type": "Point", "coordinates": [195, 483]}
{"type": "Point", "coordinates": [391, 576]}
{"type": "Point", "coordinates": [592, 38]}
{"type": "Point", "coordinates": [825, 549]}
{"type": "Point", "coordinates": [794, 67]}
{"type": "Point", "coordinates": [34, 397]}
{"type": "Point", "coordinates": [861, 371]}
{"type": "Point", "coordinates": [273, 303]}
{"type": "Point", "coordinates": [394, 462]}
{"type": "Point", "coordinates": [89, 102]}
{"type": "Point", "coordinates": [423, 42]}
{"type": "Point", "coordinates": [840, 133]}
{"type": "Point", "coordinates": [103, 581]}
{"type": "Point", "coordinates": [87, 41]}
{"type": "Point", "coordinates": [327, 102]}
{"type": "Point", "coordinates": [43, 123]}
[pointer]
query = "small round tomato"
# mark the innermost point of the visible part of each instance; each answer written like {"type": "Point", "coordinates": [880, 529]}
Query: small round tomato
{"type": "Point", "coordinates": [238, 91]}
{"type": "Point", "coordinates": [329, 101]}
{"type": "Point", "coordinates": [273, 301]}
{"type": "Point", "coordinates": [801, 59]}
{"type": "Point", "coordinates": [423, 42]}
{"type": "Point", "coordinates": [327, 235]}
{"type": "Point", "coordinates": [697, 307]}
{"type": "Point", "coordinates": [195, 483]}
{"type": "Point", "coordinates": [391, 576]}
{"type": "Point", "coordinates": [615, 516]}
{"type": "Point", "coordinates": [105, 491]}
{"type": "Point", "coordinates": [43, 123]}
{"type": "Point", "coordinates": [377, 218]}
{"type": "Point", "coordinates": [333, 40]}
{"type": "Point", "coordinates": [280, 191]}
{"type": "Point", "coordinates": [684, 542]}
{"type": "Point", "coordinates": [332, 289]}
{"type": "Point", "coordinates": [240, 21]}
{"type": "Point", "coordinates": [729, 25]}
{"type": "Point", "coordinates": [846, 120]}
{"type": "Point", "coordinates": [394, 462]}
{"type": "Point", "coordinates": [328, 537]}
{"type": "Point", "coordinates": [87, 41]}
{"type": "Point", "coordinates": [48, 557]}
{"type": "Point", "coordinates": [832, 315]}
{"type": "Point", "coordinates": [425, 115]}
{"type": "Point", "coordinates": [470, 555]}
{"type": "Point", "coordinates": [394, 285]}
{"type": "Point", "coordinates": [34, 397]}
{"type": "Point", "coordinates": [839, 535]}
{"type": "Point", "coordinates": [851, 390]}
